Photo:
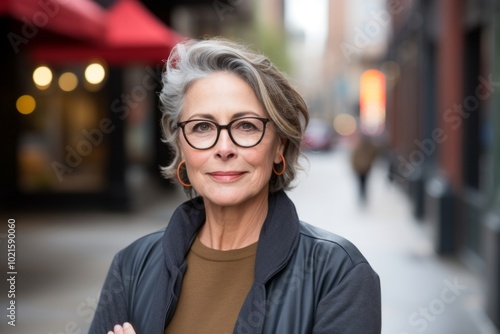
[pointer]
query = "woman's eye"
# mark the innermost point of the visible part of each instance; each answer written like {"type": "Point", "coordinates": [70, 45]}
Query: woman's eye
{"type": "Point", "coordinates": [247, 126]}
{"type": "Point", "coordinates": [202, 127]}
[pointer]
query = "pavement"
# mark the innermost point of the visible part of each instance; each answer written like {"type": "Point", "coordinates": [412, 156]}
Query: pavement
{"type": "Point", "coordinates": [62, 258]}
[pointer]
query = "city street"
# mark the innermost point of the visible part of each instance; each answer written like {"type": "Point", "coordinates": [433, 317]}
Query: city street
{"type": "Point", "coordinates": [91, 88]}
{"type": "Point", "coordinates": [63, 258]}
{"type": "Point", "coordinates": [413, 278]}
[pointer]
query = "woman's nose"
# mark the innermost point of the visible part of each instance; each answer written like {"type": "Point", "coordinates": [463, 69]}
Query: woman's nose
{"type": "Point", "coordinates": [225, 148]}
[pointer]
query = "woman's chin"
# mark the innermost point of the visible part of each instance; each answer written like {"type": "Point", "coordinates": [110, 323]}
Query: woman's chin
{"type": "Point", "coordinates": [227, 196]}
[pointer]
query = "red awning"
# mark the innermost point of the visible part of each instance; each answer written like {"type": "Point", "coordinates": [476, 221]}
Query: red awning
{"type": "Point", "coordinates": [4, 7]}
{"type": "Point", "coordinates": [79, 19]}
{"type": "Point", "coordinates": [132, 34]}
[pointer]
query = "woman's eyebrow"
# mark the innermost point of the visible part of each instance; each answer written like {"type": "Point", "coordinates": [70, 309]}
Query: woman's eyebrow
{"type": "Point", "coordinates": [235, 116]}
{"type": "Point", "coordinates": [244, 114]}
{"type": "Point", "coordinates": [202, 116]}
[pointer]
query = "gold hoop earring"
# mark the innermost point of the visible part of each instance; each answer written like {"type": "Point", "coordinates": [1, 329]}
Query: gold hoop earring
{"type": "Point", "coordinates": [282, 171]}
{"type": "Point", "coordinates": [183, 162]}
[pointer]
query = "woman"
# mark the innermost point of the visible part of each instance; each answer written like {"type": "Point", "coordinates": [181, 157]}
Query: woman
{"type": "Point", "coordinates": [235, 258]}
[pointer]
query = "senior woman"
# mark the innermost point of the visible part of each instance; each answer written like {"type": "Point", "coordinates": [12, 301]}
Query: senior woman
{"type": "Point", "coordinates": [235, 258]}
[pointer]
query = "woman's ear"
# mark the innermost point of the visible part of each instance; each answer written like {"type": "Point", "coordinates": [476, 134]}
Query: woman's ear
{"type": "Point", "coordinates": [181, 152]}
{"type": "Point", "coordinates": [280, 151]}
{"type": "Point", "coordinates": [283, 142]}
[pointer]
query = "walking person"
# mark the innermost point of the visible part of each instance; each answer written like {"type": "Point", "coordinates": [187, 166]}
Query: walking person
{"type": "Point", "coordinates": [235, 257]}
{"type": "Point", "coordinates": [363, 155]}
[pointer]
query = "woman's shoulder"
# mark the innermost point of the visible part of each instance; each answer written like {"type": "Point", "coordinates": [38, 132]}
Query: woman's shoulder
{"type": "Point", "coordinates": [324, 241]}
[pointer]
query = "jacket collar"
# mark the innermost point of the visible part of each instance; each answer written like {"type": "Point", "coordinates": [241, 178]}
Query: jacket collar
{"type": "Point", "coordinates": [278, 237]}
{"type": "Point", "coordinates": [181, 231]}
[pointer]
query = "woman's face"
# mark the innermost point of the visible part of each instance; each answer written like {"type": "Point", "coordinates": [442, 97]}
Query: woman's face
{"type": "Point", "coordinates": [227, 174]}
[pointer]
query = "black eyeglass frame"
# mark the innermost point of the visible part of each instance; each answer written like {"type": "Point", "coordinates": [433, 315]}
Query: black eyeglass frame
{"type": "Point", "coordinates": [227, 127]}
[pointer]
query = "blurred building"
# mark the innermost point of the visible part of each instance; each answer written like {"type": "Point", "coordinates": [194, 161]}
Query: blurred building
{"type": "Point", "coordinates": [80, 119]}
{"type": "Point", "coordinates": [356, 41]}
{"type": "Point", "coordinates": [444, 127]}
{"type": "Point", "coordinates": [332, 43]}
{"type": "Point", "coordinates": [79, 102]}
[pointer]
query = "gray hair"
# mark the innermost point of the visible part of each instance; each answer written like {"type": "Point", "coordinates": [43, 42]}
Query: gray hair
{"type": "Point", "coordinates": [192, 60]}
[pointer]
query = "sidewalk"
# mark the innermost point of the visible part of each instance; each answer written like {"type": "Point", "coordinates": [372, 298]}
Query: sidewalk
{"type": "Point", "coordinates": [63, 258]}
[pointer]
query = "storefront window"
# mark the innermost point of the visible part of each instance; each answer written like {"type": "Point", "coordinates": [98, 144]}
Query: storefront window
{"type": "Point", "coordinates": [62, 147]}
{"type": "Point", "coordinates": [140, 86]}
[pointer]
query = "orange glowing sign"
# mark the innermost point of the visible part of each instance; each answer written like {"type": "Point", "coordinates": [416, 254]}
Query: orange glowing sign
{"type": "Point", "coordinates": [372, 102]}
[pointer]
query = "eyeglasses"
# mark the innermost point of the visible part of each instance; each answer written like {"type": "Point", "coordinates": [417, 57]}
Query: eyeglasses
{"type": "Point", "coordinates": [203, 134]}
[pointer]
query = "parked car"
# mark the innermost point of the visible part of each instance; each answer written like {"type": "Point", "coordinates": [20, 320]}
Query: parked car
{"type": "Point", "coordinates": [319, 136]}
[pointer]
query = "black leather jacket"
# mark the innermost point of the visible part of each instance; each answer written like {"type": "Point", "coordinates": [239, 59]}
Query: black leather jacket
{"type": "Point", "coordinates": [306, 280]}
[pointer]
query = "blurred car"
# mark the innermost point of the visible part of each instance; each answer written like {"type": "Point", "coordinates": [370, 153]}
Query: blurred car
{"type": "Point", "coordinates": [319, 136]}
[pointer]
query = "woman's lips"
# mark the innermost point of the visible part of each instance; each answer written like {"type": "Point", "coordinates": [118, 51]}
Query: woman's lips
{"type": "Point", "coordinates": [226, 176]}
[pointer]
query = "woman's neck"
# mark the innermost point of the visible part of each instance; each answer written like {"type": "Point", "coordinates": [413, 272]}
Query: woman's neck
{"type": "Point", "coordinates": [233, 227]}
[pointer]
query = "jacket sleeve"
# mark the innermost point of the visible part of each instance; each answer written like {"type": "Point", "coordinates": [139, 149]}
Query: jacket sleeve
{"type": "Point", "coordinates": [112, 308]}
{"type": "Point", "coordinates": [353, 306]}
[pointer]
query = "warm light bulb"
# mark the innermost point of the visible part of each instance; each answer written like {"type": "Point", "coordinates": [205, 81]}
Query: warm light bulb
{"type": "Point", "coordinates": [25, 104]}
{"type": "Point", "coordinates": [68, 81]}
{"type": "Point", "coordinates": [42, 76]}
{"type": "Point", "coordinates": [344, 124]}
{"type": "Point", "coordinates": [95, 73]}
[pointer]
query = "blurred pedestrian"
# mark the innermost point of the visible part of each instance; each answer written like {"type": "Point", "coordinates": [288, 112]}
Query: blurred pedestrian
{"type": "Point", "coordinates": [235, 258]}
{"type": "Point", "coordinates": [363, 155]}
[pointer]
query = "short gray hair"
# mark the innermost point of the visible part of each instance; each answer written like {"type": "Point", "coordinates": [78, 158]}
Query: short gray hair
{"type": "Point", "coordinates": [192, 60]}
